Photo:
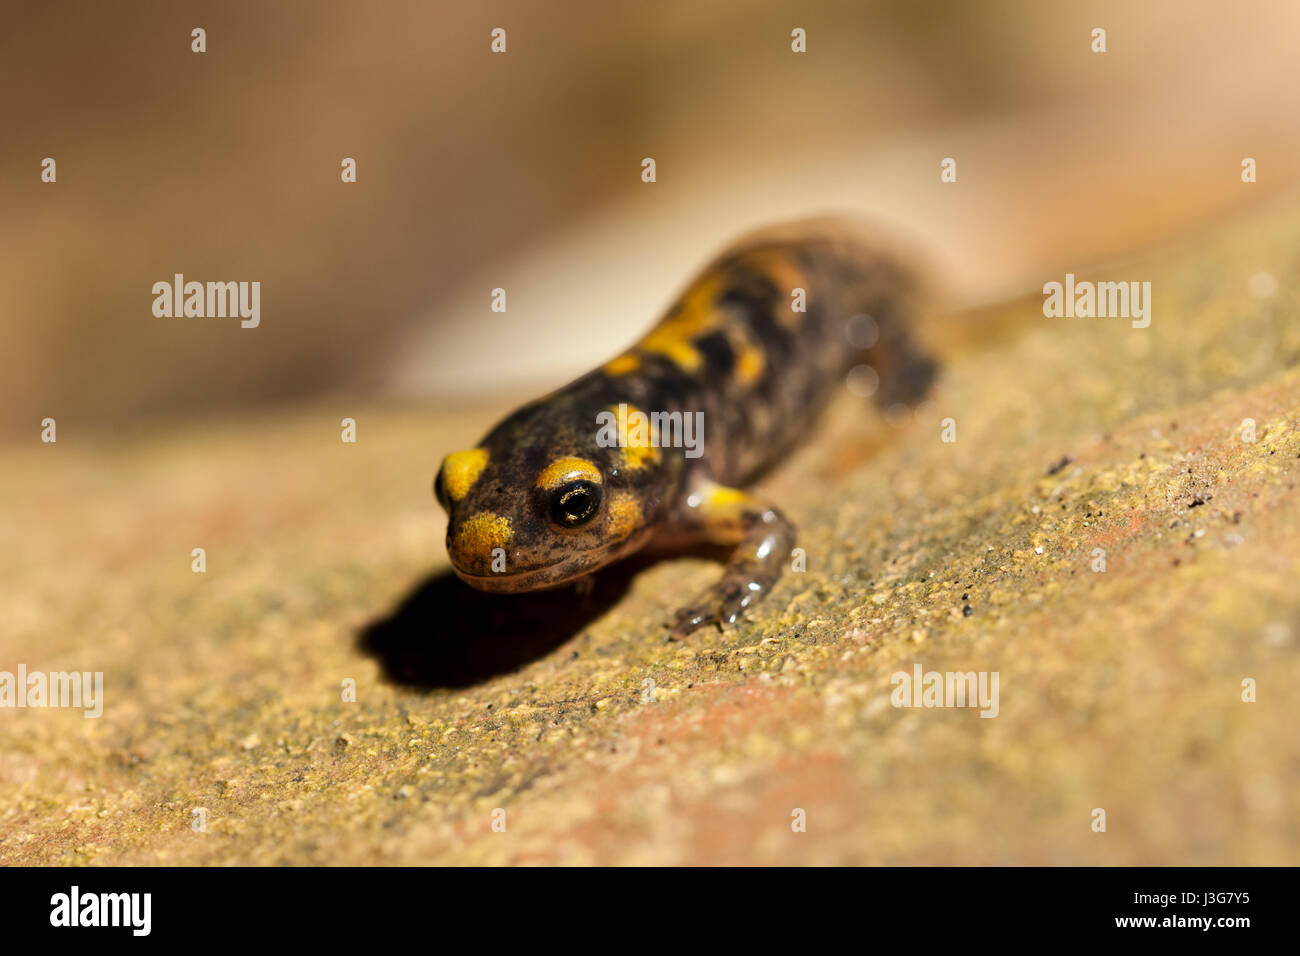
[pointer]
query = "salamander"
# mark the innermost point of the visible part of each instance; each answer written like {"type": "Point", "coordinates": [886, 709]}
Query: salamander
{"type": "Point", "coordinates": [753, 350]}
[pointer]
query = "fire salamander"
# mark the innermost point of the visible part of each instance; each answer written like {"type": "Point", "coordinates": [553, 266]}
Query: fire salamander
{"type": "Point", "coordinates": [752, 350]}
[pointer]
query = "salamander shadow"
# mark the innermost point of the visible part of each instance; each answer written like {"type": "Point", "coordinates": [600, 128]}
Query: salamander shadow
{"type": "Point", "coordinates": [445, 634]}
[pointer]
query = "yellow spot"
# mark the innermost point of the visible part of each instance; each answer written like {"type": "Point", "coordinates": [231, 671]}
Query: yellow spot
{"type": "Point", "coordinates": [482, 532]}
{"type": "Point", "coordinates": [723, 510]}
{"type": "Point", "coordinates": [787, 277]}
{"type": "Point", "coordinates": [750, 365]}
{"type": "Point", "coordinates": [564, 470]}
{"type": "Point", "coordinates": [461, 470]}
{"type": "Point", "coordinates": [634, 436]}
{"type": "Point", "coordinates": [723, 506]}
{"type": "Point", "coordinates": [625, 516]}
{"type": "Point", "coordinates": [622, 365]}
{"type": "Point", "coordinates": [750, 361]}
{"type": "Point", "coordinates": [720, 497]}
{"type": "Point", "coordinates": [668, 343]}
{"type": "Point", "coordinates": [694, 315]}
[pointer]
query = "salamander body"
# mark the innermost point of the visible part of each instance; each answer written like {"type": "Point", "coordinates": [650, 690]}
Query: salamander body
{"type": "Point", "coordinates": [752, 350]}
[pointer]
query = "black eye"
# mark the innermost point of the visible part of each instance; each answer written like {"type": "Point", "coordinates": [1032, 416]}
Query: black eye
{"type": "Point", "coordinates": [575, 504]}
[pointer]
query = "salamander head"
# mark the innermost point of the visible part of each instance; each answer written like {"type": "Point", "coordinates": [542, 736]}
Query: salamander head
{"type": "Point", "coordinates": [528, 509]}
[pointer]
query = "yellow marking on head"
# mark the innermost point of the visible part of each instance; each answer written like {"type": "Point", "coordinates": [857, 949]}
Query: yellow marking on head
{"type": "Point", "coordinates": [625, 516]}
{"type": "Point", "coordinates": [461, 469]}
{"type": "Point", "coordinates": [635, 437]}
{"type": "Point", "coordinates": [564, 470]}
{"type": "Point", "coordinates": [694, 315]}
{"type": "Point", "coordinates": [623, 364]}
{"type": "Point", "coordinates": [482, 532]}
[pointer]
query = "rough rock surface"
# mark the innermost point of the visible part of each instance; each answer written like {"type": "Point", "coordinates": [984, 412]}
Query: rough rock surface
{"type": "Point", "coordinates": [1119, 690]}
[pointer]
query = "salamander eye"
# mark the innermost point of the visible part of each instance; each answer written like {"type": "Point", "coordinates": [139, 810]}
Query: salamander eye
{"type": "Point", "coordinates": [575, 503]}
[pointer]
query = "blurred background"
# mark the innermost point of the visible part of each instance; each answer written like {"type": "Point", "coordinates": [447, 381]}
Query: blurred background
{"type": "Point", "coordinates": [324, 560]}
{"type": "Point", "coordinates": [522, 171]}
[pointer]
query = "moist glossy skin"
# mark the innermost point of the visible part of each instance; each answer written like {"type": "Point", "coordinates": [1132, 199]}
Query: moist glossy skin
{"type": "Point", "coordinates": [541, 500]}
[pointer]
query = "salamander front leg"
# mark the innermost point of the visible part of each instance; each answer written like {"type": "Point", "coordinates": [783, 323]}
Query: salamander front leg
{"type": "Point", "coordinates": [763, 539]}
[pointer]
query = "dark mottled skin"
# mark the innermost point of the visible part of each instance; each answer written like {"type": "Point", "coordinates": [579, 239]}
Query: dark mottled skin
{"type": "Point", "coordinates": [731, 347]}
